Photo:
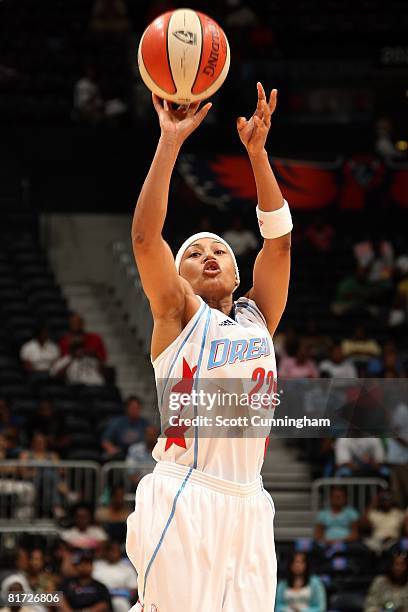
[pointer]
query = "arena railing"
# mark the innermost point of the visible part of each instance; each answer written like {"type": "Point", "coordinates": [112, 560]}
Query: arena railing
{"type": "Point", "coordinates": [11, 535]}
{"type": "Point", "coordinates": [128, 291]}
{"type": "Point", "coordinates": [122, 473]}
{"type": "Point", "coordinates": [33, 490]}
{"type": "Point", "coordinates": [360, 491]}
{"type": "Point", "coordinates": [40, 490]}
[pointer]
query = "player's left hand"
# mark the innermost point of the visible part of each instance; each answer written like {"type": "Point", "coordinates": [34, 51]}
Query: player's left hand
{"type": "Point", "coordinates": [253, 132]}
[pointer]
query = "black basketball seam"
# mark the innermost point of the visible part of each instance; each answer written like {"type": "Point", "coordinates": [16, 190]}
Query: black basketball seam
{"type": "Point", "coordinates": [201, 54]}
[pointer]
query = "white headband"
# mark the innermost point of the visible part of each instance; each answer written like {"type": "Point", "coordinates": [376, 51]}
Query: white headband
{"type": "Point", "coordinates": [198, 236]}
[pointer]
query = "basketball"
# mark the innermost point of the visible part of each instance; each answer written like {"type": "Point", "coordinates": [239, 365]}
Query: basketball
{"type": "Point", "coordinates": [184, 56]}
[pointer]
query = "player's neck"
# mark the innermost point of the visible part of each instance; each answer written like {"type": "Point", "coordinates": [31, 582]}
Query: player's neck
{"type": "Point", "coordinates": [222, 304]}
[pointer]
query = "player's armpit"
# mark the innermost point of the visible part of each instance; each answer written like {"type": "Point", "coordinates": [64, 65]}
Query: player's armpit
{"type": "Point", "coordinates": [160, 280]}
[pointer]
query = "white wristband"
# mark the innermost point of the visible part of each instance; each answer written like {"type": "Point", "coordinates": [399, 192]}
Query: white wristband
{"type": "Point", "coordinates": [275, 223]}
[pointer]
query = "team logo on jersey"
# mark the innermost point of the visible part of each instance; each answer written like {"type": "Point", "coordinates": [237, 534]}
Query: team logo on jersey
{"type": "Point", "coordinates": [189, 38]}
{"type": "Point", "coordinates": [225, 351]}
{"type": "Point", "coordinates": [227, 322]}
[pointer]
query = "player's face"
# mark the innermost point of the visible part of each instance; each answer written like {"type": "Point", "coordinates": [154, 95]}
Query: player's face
{"type": "Point", "coordinates": [209, 268]}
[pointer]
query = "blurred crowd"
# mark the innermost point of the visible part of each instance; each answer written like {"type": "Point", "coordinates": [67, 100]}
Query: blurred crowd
{"type": "Point", "coordinates": [98, 577]}
{"type": "Point", "coordinates": [369, 548]}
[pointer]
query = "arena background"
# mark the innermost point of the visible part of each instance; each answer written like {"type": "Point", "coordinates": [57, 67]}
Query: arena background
{"type": "Point", "coordinates": [77, 136]}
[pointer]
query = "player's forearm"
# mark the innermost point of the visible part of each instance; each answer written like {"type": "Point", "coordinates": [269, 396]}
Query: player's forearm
{"type": "Point", "coordinates": [151, 209]}
{"type": "Point", "coordinates": [269, 194]}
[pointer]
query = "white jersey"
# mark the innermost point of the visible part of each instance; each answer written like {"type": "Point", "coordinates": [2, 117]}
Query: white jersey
{"type": "Point", "coordinates": [211, 348]}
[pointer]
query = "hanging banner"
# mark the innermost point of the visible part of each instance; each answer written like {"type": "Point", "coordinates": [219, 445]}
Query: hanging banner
{"type": "Point", "coordinates": [345, 183]}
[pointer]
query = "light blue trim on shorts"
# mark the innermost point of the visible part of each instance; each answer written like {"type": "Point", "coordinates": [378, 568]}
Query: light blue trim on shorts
{"type": "Point", "coordinates": [173, 510]}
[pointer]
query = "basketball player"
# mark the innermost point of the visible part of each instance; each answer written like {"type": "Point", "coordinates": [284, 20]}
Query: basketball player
{"type": "Point", "coordinates": [201, 536]}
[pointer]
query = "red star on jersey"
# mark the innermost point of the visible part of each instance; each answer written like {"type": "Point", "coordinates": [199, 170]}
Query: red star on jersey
{"type": "Point", "coordinates": [185, 385]}
{"type": "Point", "coordinates": [175, 433]}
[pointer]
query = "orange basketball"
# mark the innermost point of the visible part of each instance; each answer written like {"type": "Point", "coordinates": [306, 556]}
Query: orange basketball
{"type": "Point", "coordinates": [184, 56]}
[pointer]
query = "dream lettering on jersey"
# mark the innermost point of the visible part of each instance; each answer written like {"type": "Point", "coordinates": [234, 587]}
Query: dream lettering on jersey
{"type": "Point", "coordinates": [225, 351]}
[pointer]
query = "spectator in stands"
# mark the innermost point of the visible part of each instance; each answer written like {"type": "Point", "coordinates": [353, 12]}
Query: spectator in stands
{"type": "Point", "coordinates": [383, 521]}
{"type": "Point", "coordinates": [118, 575]}
{"type": "Point", "coordinates": [21, 494]}
{"type": "Point", "coordinates": [79, 367]}
{"type": "Point", "coordinates": [337, 366]}
{"type": "Point", "coordinates": [93, 343]}
{"type": "Point", "coordinates": [284, 339]}
{"type": "Point", "coordinates": [339, 522]}
{"type": "Point", "coordinates": [359, 347]}
{"type": "Point", "coordinates": [141, 452]}
{"type": "Point", "coordinates": [17, 583]}
{"type": "Point", "coordinates": [353, 295]}
{"type": "Point", "coordinates": [298, 366]}
{"type": "Point", "coordinates": [45, 479]}
{"type": "Point", "coordinates": [397, 454]}
{"type": "Point", "coordinates": [22, 560]}
{"type": "Point", "coordinates": [301, 590]}
{"type": "Point", "coordinates": [122, 432]}
{"type": "Point", "coordinates": [88, 103]}
{"type": "Point", "coordinates": [388, 360]}
{"type": "Point", "coordinates": [84, 592]}
{"type": "Point", "coordinates": [85, 533]}
{"type": "Point", "coordinates": [52, 425]}
{"type": "Point", "coordinates": [39, 353]}
{"type": "Point", "coordinates": [40, 580]}
{"type": "Point", "coordinates": [377, 257]}
{"type": "Point", "coordinates": [359, 457]}
{"type": "Point", "coordinates": [317, 344]}
{"type": "Point", "coordinates": [113, 517]}
{"type": "Point", "coordinates": [390, 591]}
{"type": "Point", "coordinates": [61, 560]}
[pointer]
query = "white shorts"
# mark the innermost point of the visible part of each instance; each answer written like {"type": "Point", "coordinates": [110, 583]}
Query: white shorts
{"type": "Point", "coordinates": [202, 544]}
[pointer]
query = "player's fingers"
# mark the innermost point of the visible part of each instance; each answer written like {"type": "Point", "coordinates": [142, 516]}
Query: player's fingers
{"type": "Point", "coordinates": [241, 123]}
{"type": "Point", "coordinates": [273, 98]}
{"type": "Point", "coordinates": [261, 91]}
{"type": "Point", "coordinates": [193, 108]}
{"type": "Point", "coordinates": [157, 103]}
{"type": "Point", "coordinates": [166, 105]}
{"type": "Point", "coordinates": [266, 114]}
{"type": "Point", "coordinates": [202, 113]}
{"type": "Point", "coordinates": [261, 97]}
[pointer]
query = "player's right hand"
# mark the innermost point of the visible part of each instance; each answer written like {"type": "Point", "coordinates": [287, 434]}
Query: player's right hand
{"type": "Point", "coordinates": [177, 125]}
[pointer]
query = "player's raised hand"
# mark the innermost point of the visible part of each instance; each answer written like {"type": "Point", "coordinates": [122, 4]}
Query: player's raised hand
{"type": "Point", "coordinates": [253, 132]}
{"type": "Point", "coordinates": [177, 125]}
